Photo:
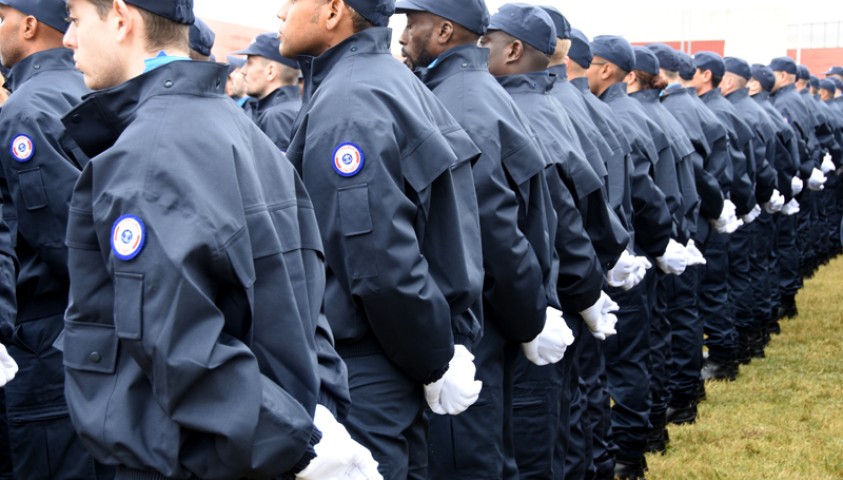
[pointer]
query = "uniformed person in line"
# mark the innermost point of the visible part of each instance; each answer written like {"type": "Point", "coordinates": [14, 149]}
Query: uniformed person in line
{"type": "Point", "coordinates": [40, 165]}
{"type": "Point", "coordinates": [719, 323]}
{"type": "Point", "coordinates": [627, 273]}
{"type": "Point", "coordinates": [766, 146]}
{"type": "Point", "coordinates": [712, 172]}
{"type": "Point", "coordinates": [790, 103]}
{"type": "Point", "coordinates": [196, 270]}
{"type": "Point", "coordinates": [271, 79]}
{"type": "Point", "coordinates": [440, 44]}
{"type": "Point", "coordinates": [201, 40]}
{"type": "Point", "coordinates": [786, 256]}
{"type": "Point", "coordinates": [521, 40]}
{"type": "Point", "coordinates": [235, 87]}
{"type": "Point", "coordinates": [389, 171]}
{"type": "Point", "coordinates": [627, 354]}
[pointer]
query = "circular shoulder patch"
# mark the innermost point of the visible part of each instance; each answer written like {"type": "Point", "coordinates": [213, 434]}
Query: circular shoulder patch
{"type": "Point", "coordinates": [22, 148]}
{"type": "Point", "coordinates": [348, 159]}
{"type": "Point", "coordinates": [127, 237]}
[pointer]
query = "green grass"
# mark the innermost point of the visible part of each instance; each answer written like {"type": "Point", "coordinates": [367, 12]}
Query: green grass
{"type": "Point", "coordinates": [783, 417]}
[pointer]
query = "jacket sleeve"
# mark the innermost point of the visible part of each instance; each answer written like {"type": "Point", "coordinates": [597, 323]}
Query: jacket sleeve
{"type": "Point", "coordinates": [333, 374]}
{"type": "Point", "coordinates": [514, 285]}
{"type": "Point", "coordinates": [373, 224]}
{"type": "Point", "coordinates": [765, 175]}
{"type": "Point", "coordinates": [711, 197]}
{"type": "Point", "coordinates": [650, 215]}
{"type": "Point", "coordinates": [167, 320]}
{"type": "Point", "coordinates": [8, 274]}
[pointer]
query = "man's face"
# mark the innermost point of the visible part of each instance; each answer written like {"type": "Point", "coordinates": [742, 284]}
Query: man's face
{"type": "Point", "coordinates": [826, 95]}
{"type": "Point", "coordinates": [235, 85]}
{"type": "Point", "coordinates": [303, 30]}
{"type": "Point", "coordinates": [698, 80]}
{"type": "Point", "coordinates": [595, 75]}
{"type": "Point", "coordinates": [92, 40]}
{"type": "Point", "coordinates": [416, 38]}
{"type": "Point", "coordinates": [254, 74]}
{"type": "Point", "coordinates": [10, 46]}
{"type": "Point", "coordinates": [498, 44]}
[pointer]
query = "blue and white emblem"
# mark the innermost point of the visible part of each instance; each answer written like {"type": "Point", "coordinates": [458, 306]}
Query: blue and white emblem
{"type": "Point", "coordinates": [127, 237]}
{"type": "Point", "coordinates": [348, 159]}
{"type": "Point", "coordinates": [22, 148]}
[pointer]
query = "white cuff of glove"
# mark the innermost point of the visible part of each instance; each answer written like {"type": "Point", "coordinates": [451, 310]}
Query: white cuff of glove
{"type": "Point", "coordinates": [816, 181]}
{"type": "Point", "coordinates": [791, 207]}
{"type": "Point", "coordinates": [695, 256]}
{"type": "Point", "coordinates": [796, 185]}
{"type": "Point", "coordinates": [8, 366]}
{"type": "Point", "coordinates": [642, 264]}
{"type": "Point", "coordinates": [600, 317]}
{"type": "Point", "coordinates": [337, 455]}
{"type": "Point", "coordinates": [457, 389]}
{"type": "Point", "coordinates": [674, 259]}
{"type": "Point", "coordinates": [775, 203]}
{"type": "Point", "coordinates": [728, 221]}
{"type": "Point", "coordinates": [624, 267]}
{"type": "Point", "coordinates": [752, 215]}
{"type": "Point", "coordinates": [550, 345]}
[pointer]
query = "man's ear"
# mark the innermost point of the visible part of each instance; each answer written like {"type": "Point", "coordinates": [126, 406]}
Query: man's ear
{"type": "Point", "coordinates": [446, 31]}
{"type": "Point", "coordinates": [337, 10]}
{"type": "Point", "coordinates": [514, 51]}
{"type": "Point", "coordinates": [125, 21]}
{"type": "Point", "coordinates": [29, 27]}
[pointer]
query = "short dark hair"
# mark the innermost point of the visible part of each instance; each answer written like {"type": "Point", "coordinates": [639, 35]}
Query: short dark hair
{"type": "Point", "coordinates": [359, 22]}
{"type": "Point", "coordinates": [648, 81]}
{"type": "Point", "coordinates": [715, 80]}
{"type": "Point", "coordinates": [160, 32]}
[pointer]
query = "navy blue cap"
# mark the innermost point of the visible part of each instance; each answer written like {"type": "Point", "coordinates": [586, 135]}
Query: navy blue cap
{"type": "Point", "coordinates": [179, 11]}
{"type": "Point", "coordinates": [783, 64]}
{"type": "Point", "coordinates": [826, 84]}
{"type": "Point", "coordinates": [267, 45]}
{"type": "Point", "coordinates": [580, 51]}
{"type": "Point", "coordinates": [686, 65]}
{"type": "Point", "coordinates": [666, 55]}
{"type": "Point", "coordinates": [563, 27]}
{"type": "Point", "coordinates": [710, 61]}
{"type": "Point", "coordinates": [764, 75]}
{"type": "Point", "coordinates": [835, 70]}
{"type": "Point", "coordinates": [837, 82]}
{"type": "Point", "coordinates": [201, 37]}
{"type": "Point", "coordinates": [814, 81]}
{"type": "Point", "coordinates": [471, 14]}
{"type": "Point", "coordinates": [50, 12]}
{"type": "Point", "coordinates": [527, 23]}
{"type": "Point", "coordinates": [614, 49]}
{"type": "Point", "coordinates": [802, 73]}
{"type": "Point", "coordinates": [646, 60]}
{"type": "Point", "coordinates": [235, 62]}
{"type": "Point", "coordinates": [738, 66]}
{"type": "Point", "coordinates": [377, 12]}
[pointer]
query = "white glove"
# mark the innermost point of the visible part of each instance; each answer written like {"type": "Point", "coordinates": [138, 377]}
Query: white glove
{"type": "Point", "coordinates": [752, 215]}
{"type": "Point", "coordinates": [674, 259]}
{"type": "Point", "coordinates": [775, 203]}
{"type": "Point", "coordinates": [641, 267]}
{"type": "Point", "coordinates": [338, 457]}
{"type": "Point", "coordinates": [456, 390]}
{"type": "Point", "coordinates": [600, 317]}
{"type": "Point", "coordinates": [796, 185]}
{"type": "Point", "coordinates": [728, 221]}
{"type": "Point", "coordinates": [816, 181]}
{"type": "Point", "coordinates": [790, 208]}
{"type": "Point", "coordinates": [550, 345]}
{"type": "Point", "coordinates": [8, 366]}
{"type": "Point", "coordinates": [625, 266]}
{"type": "Point", "coordinates": [695, 256]}
{"type": "Point", "coordinates": [827, 166]}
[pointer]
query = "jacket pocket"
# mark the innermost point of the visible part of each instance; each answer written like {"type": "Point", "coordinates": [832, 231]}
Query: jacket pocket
{"type": "Point", "coordinates": [357, 228]}
{"type": "Point", "coordinates": [90, 347]}
{"type": "Point", "coordinates": [128, 305]}
{"type": "Point", "coordinates": [32, 188]}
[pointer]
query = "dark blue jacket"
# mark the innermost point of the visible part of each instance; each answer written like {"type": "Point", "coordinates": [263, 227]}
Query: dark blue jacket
{"type": "Point", "coordinates": [765, 144]}
{"type": "Point", "coordinates": [37, 183]}
{"type": "Point", "coordinates": [276, 113]}
{"type": "Point", "coordinates": [828, 136]}
{"type": "Point", "coordinates": [787, 158]}
{"type": "Point", "coordinates": [399, 221]}
{"type": "Point", "coordinates": [742, 192]}
{"type": "Point", "coordinates": [792, 107]}
{"type": "Point", "coordinates": [708, 138]}
{"type": "Point", "coordinates": [512, 193]}
{"type": "Point", "coordinates": [196, 279]}
{"type": "Point", "coordinates": [652, 218]}
{"type": "Point", "coordinates": [531, 93]}
{"type": "Point", "coordinates": [682, 152]}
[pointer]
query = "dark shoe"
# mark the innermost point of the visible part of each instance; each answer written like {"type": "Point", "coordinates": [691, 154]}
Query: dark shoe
{"type": "Point", "coordinates": [788, 308]}
{"type": "Point", "coordinates": [682, 414]}
{"type": "Point", "coordinates": [630, 470]}
{"type": "Point", "coordinates": [657, 440]}
{"type": "Point", "coordinates": [716, 370]}
{"type": "Point", "coordinates": [701, 395]}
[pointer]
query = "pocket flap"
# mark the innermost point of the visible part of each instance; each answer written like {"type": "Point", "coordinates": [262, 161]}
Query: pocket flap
{"type": "Point", "coordinates": [90, 347]}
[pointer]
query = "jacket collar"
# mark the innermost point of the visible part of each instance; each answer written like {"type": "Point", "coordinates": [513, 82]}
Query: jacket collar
{"type": "Point", "coordinates": [647, 96]}
{"type": "Point", "coordinates": [279, 95]}
{"type": "Point", "coordinates": [615, 91]}
{"type": "Point", "coordinates": [739, 94]}
{"type": "Point", "coordinates": [581, 83]}
{"type": "Point", "coordinates": [100, 119]}
{"type": "Point", "coordinates": [457, 59]}
{"type": "Point", "coordinates": [535, 82]}
{"type": "Point", "coordinates": [43, 61]}
{"type": "Point", "coordinates": [561, 72]}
